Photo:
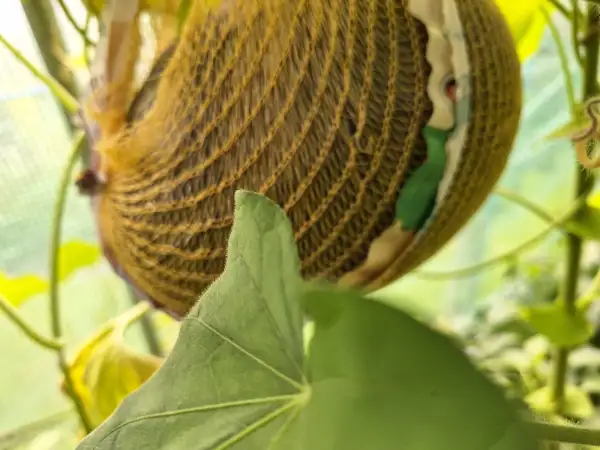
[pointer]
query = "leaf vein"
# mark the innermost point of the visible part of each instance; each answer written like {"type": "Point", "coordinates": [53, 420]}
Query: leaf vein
{"type": "Point", "coordinates": [290, 398]}
{"type": "Point", "coordinates": [272, 319]}
{"type": "Point", "coordinates": [259, 361]}
{"type": "Point", "coordinates": [258, 424]}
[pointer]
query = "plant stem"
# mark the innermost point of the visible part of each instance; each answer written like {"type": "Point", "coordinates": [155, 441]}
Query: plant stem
{"type": "Point", "coordinates": [476, 268]}
{"type": "Point", "coordinates": [15, 317]}
{"type": "Point", "coordinates": [564, 61]}
{"type": "Point", "coordinates": [73, 22]}
{"type": "Point", "coordinates": [134, 314]}
{"type": "Point", "coordinates": [591, 295]}
{"type": "Point", "coordinates": [50, 42]}
{"type": "Point", "coordinates": [565, 433]}
{"type": "Point", "coordinates": [60, 81]}
{"type": "Point", "coordinates": [148, 329]}
{"type": "Point", "coordinates": [583, 185]}
{"type": "Point", "coordinates": [55, 316]}
{"type": "Point", "coordinates": [57, 89]}
{"type": "Point", "coordinates": [559, 378]}
{"type": "Point", "coordinates": [525, 203]}
{"type": "Point", "coordinates": [561, 8]}
{"type": "Point", "coordinates": [86, 48]}
{"type": "Point", "coordinates": [575, 32]}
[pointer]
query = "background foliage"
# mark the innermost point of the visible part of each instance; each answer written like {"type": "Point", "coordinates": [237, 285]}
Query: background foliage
{"type": "Point", "coordinates": [483, 309]}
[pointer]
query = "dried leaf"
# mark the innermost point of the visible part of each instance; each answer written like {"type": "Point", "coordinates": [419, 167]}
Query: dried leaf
{"type": "Point", "coordinates": [106, 370]}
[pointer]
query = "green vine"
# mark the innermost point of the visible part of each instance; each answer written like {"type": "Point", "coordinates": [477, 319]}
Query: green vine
{"type": "Point", "coordinates": [564, 61]}
{"type": "Point", "coordinates": [82, 31]}
{"type": "Point", "coordinates": [55, 315]}
{"type": "Point", "coordinates": [13, 315]}
{"type": "Point", "coordinates": [566, 434]}
{"type": "Point", "coordinates": [561, 8]}
{"type": "Point", "coordinates": [525, 203]}
{"type": "Point", "coordinates": [509, 255]}
{"type": "Point", "coordinates": [55, 343]}
{"type": "Point", "coordinates": [584, 182]}
{"type": "Point", "coordinates": [61, 94]}
{"type": "Point", "coordinates": [575, 30]}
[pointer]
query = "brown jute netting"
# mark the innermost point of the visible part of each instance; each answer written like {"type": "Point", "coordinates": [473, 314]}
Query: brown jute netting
{"type": "Point", "coordinates": [317, 104]}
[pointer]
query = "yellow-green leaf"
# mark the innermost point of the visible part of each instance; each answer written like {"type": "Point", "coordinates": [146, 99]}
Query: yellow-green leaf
{"type": "Point", "coordinates": [577, 403]}
{"type": "Point", "coordinates": [18, 289]}
{"type": "Point", "coordinates": [527, 23]}
{"type": "Point", "coordinates": [75, 255]}
{"type": "Point", "coordinates": [563, 329]}
{"type": "Point", "coordinates": [106, 370]}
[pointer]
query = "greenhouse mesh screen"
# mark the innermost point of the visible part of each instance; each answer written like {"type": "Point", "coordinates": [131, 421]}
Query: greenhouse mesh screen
{"type": "Point", "coordinates": [34, 144]}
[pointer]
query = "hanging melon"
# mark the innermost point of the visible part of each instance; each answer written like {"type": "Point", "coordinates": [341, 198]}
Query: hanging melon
{"type": "Point", "coordinates": [379, 127]}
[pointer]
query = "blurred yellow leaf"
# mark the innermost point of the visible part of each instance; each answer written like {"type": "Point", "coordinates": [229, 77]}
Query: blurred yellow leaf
{"type": "Point", "coordinates": [75, 255]}
{"type": "Point", "coordinates": [577, 402]}
{"type": "Point", "coordinates": [527, 23]}
{"type": "Point", "coordinates": [594, 200]}
{"type": "Point", "coordinates": [77, 61]}
{"type": "Point", "coordinates": [106, 370]}
{"type": "Point", "coordinates": [18, 289]}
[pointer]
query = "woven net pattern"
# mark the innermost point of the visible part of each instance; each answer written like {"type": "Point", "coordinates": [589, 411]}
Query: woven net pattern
{"type": "Point", "coordinates": [318, 106]}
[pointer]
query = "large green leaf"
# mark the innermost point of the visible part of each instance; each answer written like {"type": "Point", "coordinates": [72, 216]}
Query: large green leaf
{"type": "Point", "coordinates": [237, 377]}
{"type": "Point", "coordinates": [382, 380]}
{"type": "Point", "coordinates": [238, 360]}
